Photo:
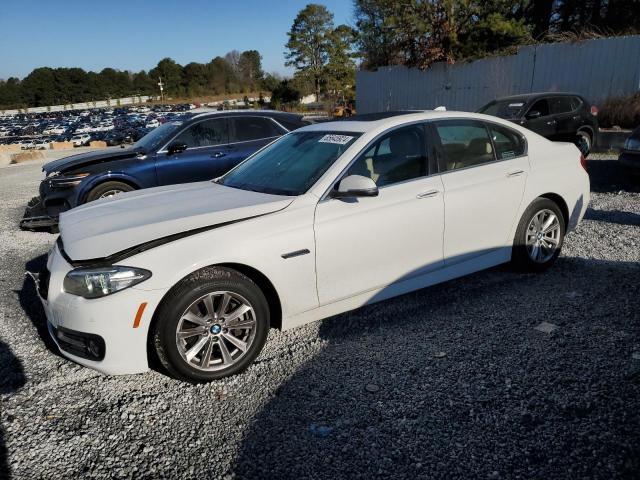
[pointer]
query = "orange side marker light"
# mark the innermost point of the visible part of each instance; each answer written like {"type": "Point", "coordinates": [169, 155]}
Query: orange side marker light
{"type": "Point", "coordinates": [136, 321]}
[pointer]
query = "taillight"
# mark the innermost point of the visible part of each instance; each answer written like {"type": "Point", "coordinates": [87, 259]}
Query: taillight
{"type": "Point", "coordinates": [583, 163]}
{"type": "Point", "coordinates": [594, 110]}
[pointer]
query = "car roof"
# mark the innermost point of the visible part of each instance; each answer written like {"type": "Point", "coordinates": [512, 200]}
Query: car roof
{"type": "Point", "coordinates": [371, 124]}
{"type": "Point", "coordinates": [525, 97]}
{"type": "Point", "coordinates": [248, 113]}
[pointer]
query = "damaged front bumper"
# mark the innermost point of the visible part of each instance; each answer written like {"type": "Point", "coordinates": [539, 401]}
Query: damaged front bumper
{"type": "Point", "coordinates": [36, 216]}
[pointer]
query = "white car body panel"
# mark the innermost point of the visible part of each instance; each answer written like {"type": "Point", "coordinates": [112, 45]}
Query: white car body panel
{"type": "Point", "coordinates": [374, 242]}
{"type": "Point", "coordinates": [106, 226]}
{"type": "Point", "coordinates": [359, 252]}
{"type": "Point", "coordinates": [473, 195]}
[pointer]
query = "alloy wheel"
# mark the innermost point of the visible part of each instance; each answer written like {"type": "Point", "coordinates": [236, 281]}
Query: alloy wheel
{"type": "Point", "coordinates": [110, 193]}
{"type": "Point", "coordinates": [543, 236]}
{"type": "Point", "coordinates": [216, 331]}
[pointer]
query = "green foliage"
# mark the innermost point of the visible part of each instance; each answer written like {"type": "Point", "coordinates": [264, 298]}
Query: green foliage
{"type": "Point", "coordinates": [419, 32]}
{"type": "Point", "coordinates": [250, 69]}
{"type": "Point", "coordinates": [320, 52]}
{"type": "Point", "coordinates": [237, 72]}
{"type": "Point", "coordinates": [285, 94]}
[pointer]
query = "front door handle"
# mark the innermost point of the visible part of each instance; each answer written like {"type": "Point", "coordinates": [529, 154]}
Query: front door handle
{"type": "Point", "coordinates": [552, 122]}
{"type": "Point", "coordinates": [218, 155]}
{"type": "Point", "coordinates": [515, 173]}
{"type": "Point", "coordinates": [428, 194]}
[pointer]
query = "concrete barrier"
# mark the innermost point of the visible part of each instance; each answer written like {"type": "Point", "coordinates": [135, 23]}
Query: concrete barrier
{"type": "Point", "coordinates": [98, 144]}
{"type": "Point", "coordinates": [9, 148]}
{"type": "Point", "coordinates": [61, 145]}
{"type": "Point", "coordinates": [27, 156]}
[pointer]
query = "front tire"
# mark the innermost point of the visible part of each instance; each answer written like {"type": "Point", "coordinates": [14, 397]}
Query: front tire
{"type": "Point", "coordinates": [108, 189]}
{"type": "Point", "coordinates": [539, 236]}
{"type": "Point", "coordinates": [213, 324]}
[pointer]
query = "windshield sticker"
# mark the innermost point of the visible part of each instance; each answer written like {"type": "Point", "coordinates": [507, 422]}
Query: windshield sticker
{"type": "Point", "coordinates": [336, 139]}
{"type": "Point", "coordinates": [516, 104]}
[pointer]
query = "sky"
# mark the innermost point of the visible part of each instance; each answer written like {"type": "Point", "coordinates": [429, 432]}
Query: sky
{"type": "Point", "coordinates": [136, 34]}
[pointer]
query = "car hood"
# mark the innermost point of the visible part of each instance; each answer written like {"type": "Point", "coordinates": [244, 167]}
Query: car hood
{"type": "Point", "coordinates": [105, 227]}
{"type": "Point", "coordinates": [88, 158]}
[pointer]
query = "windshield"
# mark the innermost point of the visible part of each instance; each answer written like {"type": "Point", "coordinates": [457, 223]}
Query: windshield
{"type": "Point", "coordinates": [503, 108]}
{"type": "Point", "coordinates": [157, 137]}
{"type": "Point", "coordinates": [290, 165]}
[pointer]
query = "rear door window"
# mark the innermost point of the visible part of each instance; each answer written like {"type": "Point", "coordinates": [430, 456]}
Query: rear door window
{"type": "Point", "coordinates": [208, 133]}
{"type": "Point", "coordinates": [561, 105]}
{"type": "Point", "coordinates": [576, 103]}
{"type": "Point", "coordinates": [246, 129]}
{"type": "Point", "coordinates": [465, 143]}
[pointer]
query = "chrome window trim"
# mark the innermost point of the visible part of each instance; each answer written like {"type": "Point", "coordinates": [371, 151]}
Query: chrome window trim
{"type": "Point", "coordinates": [325, 196]}
{"type": "Point", "coordinates": [487, 124]}
{"type": "Point", "coordinates": [164, 148]}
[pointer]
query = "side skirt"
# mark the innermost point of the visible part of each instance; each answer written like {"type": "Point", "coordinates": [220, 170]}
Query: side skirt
{"type": "Point", "coordinates": [488, 260]}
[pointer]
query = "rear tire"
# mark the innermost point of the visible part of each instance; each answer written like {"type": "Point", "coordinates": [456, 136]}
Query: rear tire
{"type": "Point", "coordinates": [194, 335]}
{"type": "Point", "coordinates": [584, 142]}
{"type": "Point", "coordinates": [539, 236]}
{"type": "Point", "coordinates": [108, 189]}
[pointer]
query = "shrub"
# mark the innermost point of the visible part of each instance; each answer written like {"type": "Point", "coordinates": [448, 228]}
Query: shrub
{"type": "Point", "coordinates": [623, 112]}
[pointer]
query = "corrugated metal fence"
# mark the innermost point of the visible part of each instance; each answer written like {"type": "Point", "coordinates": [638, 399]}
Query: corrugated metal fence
{"type": "Point", "coordinates": [596, 69]}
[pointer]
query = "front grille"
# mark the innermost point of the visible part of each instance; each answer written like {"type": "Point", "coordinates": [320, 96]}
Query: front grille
{"type": "Point", "coordinates": [43, 283]}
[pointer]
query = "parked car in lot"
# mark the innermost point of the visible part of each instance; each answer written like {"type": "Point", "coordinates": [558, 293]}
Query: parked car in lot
{"type": "Point", "coordinates": [81, 140]}
{"type": "Point", "coordinates": [566, 117]}
{"type": "Point", "coordinates": [200, 148]}
{"type": "Point", "coordinates": [41, 144]}
{"type": "Point", "coordinates": [630, 154]}
{"type": "Point", "coordinates": [26, 144]}
{"type": "Point", "coordinates": [327, 218]}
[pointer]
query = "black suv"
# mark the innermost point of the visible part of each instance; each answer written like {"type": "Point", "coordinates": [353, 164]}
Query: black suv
{"type": "Point", "coordinates": [566, 117]}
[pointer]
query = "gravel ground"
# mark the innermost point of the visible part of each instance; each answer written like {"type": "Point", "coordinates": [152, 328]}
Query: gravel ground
{"type": "Point", "coordinates": [449, 382]}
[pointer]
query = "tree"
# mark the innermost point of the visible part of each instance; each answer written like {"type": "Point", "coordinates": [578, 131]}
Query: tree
{"type": "Point", "coordinates": [195, 78]}
{"type": "Point", "coordinates": [309, 43]}
{"type": "Point", "coordinates": [143, 84]}
{"type": "Point", "coordinates": [171, 74]}
{"type": "Point", "coordinates": [339, 74]}
{"type": "Point", "coordinates": [219, 73]}
{"type": "Point", "coordinates": [271, 81]}
{"type": "Point", "coordinates": [11, 93]}
{"type": "Point", "coordinates": [285, 94]}
{"type": "Point", "coordinates": [418, 33]}
{"type": "Point", "coordinates": [39, 88]}
{"type": "Point", "coordinates": [250, 69]}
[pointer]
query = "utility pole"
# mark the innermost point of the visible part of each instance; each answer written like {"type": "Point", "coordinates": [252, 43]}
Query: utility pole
{"type": "Point", "coordinates": [161, 85]}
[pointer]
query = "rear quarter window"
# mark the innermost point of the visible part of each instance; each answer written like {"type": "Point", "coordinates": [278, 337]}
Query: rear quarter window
{"type": "Point", "coordinates": [508, 143]}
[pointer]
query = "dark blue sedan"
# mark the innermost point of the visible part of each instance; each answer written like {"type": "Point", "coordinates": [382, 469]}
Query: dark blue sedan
{"type": "Point", "coordinates": [196, 148]}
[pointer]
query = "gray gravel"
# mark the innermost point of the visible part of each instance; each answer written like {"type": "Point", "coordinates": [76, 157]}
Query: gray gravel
{"type": "Point", "coordinates": [454, 381]}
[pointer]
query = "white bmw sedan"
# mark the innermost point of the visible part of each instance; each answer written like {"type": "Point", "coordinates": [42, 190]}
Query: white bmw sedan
{"type": "Point", "coordinates": [326, 219]}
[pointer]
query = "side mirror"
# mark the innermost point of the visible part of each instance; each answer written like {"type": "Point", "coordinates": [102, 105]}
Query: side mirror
{"type": "Point", "coordinates": [533, 114]}
{"type": "Point", "coordinates": [355, 186]}
{"type": "Point", "coordinates": [176, 148]}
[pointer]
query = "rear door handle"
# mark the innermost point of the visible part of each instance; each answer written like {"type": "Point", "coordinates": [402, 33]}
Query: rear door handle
{"type": "Point", "coordinates": [428, 194]}
{"type": "Point", "coordinates": [552, 122]}
{"type": "Point", "coordinates": [515, 173]}
{"type": "Point", "coordinates": [218, 155]}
